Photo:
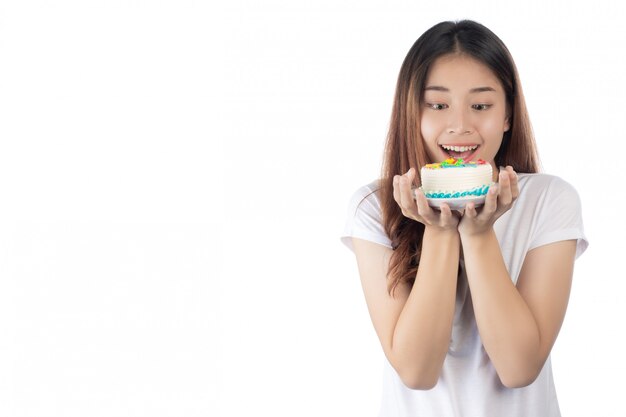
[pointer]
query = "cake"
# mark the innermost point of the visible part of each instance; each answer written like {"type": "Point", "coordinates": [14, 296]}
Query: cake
{"type": "Point", "coordinates": [455, 178]}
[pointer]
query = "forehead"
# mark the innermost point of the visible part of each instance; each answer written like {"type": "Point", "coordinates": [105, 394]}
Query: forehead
{"type": "Point", "coordinates": [461, 72]}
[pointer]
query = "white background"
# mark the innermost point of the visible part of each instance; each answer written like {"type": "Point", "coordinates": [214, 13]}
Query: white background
{"type": "Point", "coordinates": [174, 178]}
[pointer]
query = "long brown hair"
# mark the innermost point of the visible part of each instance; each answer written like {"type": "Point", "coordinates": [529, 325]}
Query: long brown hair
{"type": "Point", "coordinates": [405, 146]}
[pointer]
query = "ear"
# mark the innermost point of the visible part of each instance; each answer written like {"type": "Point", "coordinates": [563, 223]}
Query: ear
{"type": "Point", "coordinates": [507, 123]}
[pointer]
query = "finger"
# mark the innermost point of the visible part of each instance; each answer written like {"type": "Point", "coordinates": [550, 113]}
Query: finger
{"type": "Point", "coordinates": [396, 188]}
{"type": "Point", "coordinates": [423, 209]}
{"type": "Point", "coordinates": [470, 210]}
{"type": "Point", "coordinates": [406, 194]}
{"type": "Point", "coordinates": [514, 182]}
{"type": "Point", "coordinates": [491, 200]}
{"type": "Point", "coordinates": [445, 210]}
{"type": "Point", "coordinates": [505, 196]}
{"type": "Point", "coordinates": [445, 218]}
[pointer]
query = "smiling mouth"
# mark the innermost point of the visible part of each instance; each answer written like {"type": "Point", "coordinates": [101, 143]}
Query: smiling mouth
{"type": "Point", "coordinates": [464, 152]}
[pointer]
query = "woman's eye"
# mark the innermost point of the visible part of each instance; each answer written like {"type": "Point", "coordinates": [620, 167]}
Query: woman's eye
{"type": "Point", "coordinates": [437, 106]}
{"type": "Point", "coordinates": [481, 106]}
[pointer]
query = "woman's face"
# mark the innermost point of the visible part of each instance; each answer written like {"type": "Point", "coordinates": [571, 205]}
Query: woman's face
{"type": "Point", "coordinates": [463, 113]}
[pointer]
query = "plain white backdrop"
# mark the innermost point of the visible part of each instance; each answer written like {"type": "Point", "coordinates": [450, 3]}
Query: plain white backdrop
{"type": "Point", "coordinates": [174, 178]}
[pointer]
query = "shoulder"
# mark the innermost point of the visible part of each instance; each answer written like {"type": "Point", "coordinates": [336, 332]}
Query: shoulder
{"type": "Point", "coordinates": [366, 198]}
{"type": "Point", "coordinates": [553, 209]}
{"type": "Point", "coordinates": [540, 188]}
{"type": "Point", "coordinates": [364, 216]}
{"type": "Point", "coordinates": [544, 182]}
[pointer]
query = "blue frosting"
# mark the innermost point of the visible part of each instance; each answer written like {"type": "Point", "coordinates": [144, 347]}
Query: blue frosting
{"type": "Point", "coordinates": [476, 192]}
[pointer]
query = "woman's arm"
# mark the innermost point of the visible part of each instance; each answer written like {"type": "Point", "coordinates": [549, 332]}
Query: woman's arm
{"type": "Point", "coordinates": [414, 327]}
{"type": "Point", "coordinates": [517, 325]}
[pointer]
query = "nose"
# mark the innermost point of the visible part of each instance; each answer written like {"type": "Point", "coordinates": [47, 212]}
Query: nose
{"type": "Point", "coordinates": [459, 122]}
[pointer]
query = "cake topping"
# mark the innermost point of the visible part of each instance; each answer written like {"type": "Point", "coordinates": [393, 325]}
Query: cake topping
{"type": "Point", "coordinates": [455, 163]}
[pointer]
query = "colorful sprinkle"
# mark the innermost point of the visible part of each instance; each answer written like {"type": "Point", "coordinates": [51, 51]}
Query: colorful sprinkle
{"type": "Point", "coordinates": [455, 163]}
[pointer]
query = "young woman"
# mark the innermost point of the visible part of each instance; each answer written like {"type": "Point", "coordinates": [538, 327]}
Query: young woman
{"type": "Point", "coordinates": [467, 304]}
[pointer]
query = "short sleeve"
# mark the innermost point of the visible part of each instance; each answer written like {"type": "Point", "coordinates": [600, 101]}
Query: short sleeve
{"type": "Point", "coordinates": [560, 217]}
{"type": "Point", "coordinates": [364, 217]}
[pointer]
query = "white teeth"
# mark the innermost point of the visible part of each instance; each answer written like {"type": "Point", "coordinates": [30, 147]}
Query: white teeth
{"type": "Point", "coordinates": [459, 148]}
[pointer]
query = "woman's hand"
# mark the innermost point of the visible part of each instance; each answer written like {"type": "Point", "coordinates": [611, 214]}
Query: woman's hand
{"type": "Point", "coordinates": [499, 199]}
{"type": "Point", "coordinates": [418, 208]}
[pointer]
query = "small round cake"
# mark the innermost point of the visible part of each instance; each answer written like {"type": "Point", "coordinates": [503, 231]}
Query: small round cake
{"type": "Point", "coordinates": [454, 178]}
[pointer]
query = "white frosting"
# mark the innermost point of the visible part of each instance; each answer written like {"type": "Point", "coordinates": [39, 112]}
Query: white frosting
{"type": "Point", "coordinates": [455, 178]}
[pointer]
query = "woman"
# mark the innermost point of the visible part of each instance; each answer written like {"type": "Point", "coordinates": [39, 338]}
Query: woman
{"type": "Point", "coordinates": [466, 304]}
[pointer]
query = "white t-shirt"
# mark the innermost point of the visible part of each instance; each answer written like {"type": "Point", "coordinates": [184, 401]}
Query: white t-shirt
{"type": "Point", "coordinates": [547, 210]}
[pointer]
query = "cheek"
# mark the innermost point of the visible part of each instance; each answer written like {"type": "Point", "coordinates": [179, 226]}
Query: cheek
{"type": "Point", "coordinates": [430, 132]}
{"type": "Point", "coordinates": [494, 128]}
{"type": "Point", "coordinates": [429, 129]}
{"type": "Point", "coordinates": [492, 135]}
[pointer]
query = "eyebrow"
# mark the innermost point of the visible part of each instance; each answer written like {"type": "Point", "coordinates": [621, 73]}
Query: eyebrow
{"type": "Point", "coordinates": [447, 90]}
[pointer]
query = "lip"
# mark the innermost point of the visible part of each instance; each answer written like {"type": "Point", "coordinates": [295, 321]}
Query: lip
{"type": "Point", "coordinates": [469, 158]}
